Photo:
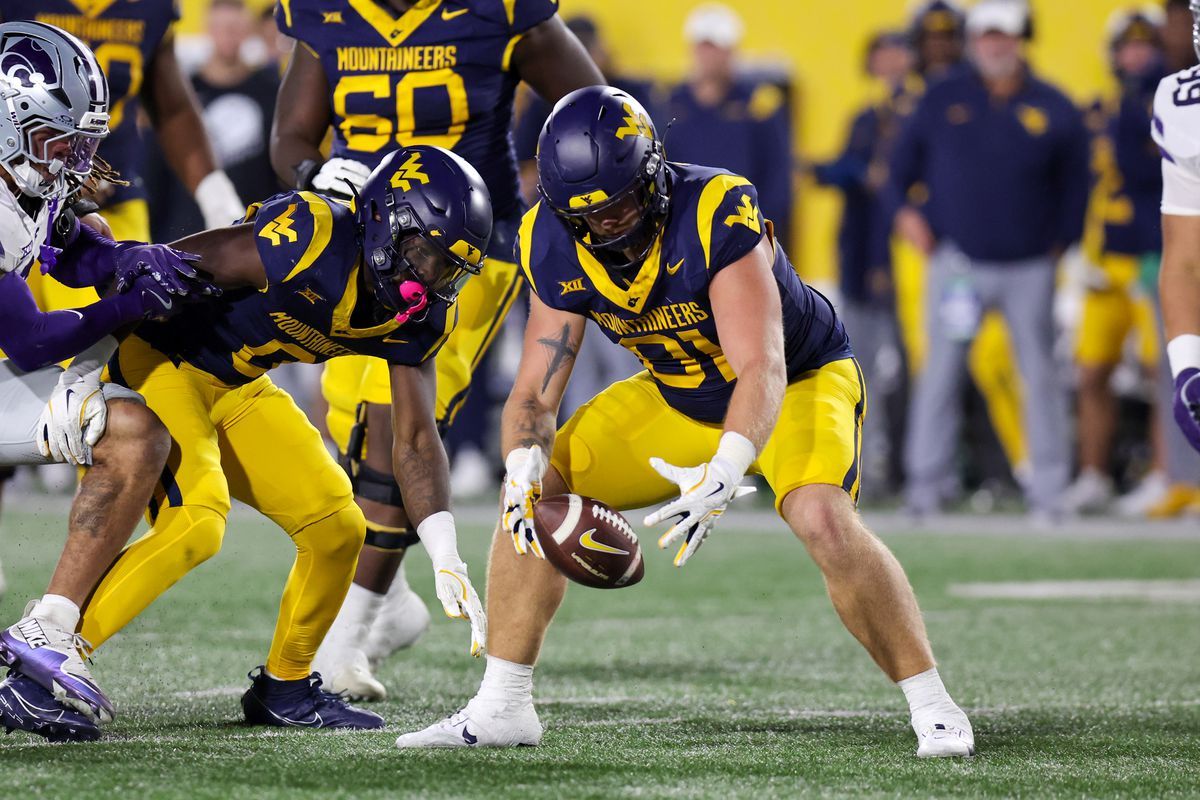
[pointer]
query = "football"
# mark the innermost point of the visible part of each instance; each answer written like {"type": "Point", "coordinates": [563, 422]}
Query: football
{"type": "Point", "coordinates": [588, 542]}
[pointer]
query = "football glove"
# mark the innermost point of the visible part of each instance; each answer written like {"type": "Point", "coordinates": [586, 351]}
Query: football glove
{"type": "Point", "coordinates": [524, 469]}
{"type": "Point", "coordinates": [74, 419]}
{"type": "Point", "coordinates": [705, 491]}
{"type": "Point", "coordinates": [458, 597]}
{"type": "Point", "coordinates": [336, 173]}
{"type": "Point", "coordinates": [1187, 404]}
{"type": "Point", "coordinates": [173, 270]}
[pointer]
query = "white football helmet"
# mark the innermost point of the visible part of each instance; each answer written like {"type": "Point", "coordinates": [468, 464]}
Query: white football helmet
{"type": "Point", "coordinates": [53, 108]}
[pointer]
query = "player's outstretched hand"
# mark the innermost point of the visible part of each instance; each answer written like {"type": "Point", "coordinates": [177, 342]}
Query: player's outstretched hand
{"type": "Point", "coordinates": [173, 270]}
{"type": "Point", "coordinates": [524, 469]}
{"type": "Point", "coordinates": [704, 491]}
{"type": "Point", "coordinates": [460, 600]}
{"type": "Point", "coordinates": [73, 421]}
{"type": "Point", "coordinates": [1187, 404]}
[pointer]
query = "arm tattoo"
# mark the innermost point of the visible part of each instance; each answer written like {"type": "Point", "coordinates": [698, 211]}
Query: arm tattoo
{"type": "Point", "coordinates": [561, 353]}
{"type": "Point", "coordinates": [533, 426]}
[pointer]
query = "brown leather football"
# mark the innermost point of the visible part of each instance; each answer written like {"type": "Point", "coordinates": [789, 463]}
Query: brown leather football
{"type": "Point", "coordinates": [588, 542]}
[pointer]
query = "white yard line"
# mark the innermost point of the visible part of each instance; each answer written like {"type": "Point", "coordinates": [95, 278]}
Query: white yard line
{"type": "Point", "coordinates": [1162, 591]}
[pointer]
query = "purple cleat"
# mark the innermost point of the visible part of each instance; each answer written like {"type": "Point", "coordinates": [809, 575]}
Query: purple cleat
{"type": "Point", "coordinates": [52, 657]}
{"type": "Point", "coordinates": [25, 705]}
{"type": "Point", "coordinates": [301, 704]}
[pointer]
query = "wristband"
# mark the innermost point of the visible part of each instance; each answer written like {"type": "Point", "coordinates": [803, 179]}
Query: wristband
{"type": "Point", "coordinates": [737, 451]}
{"type": "Point", "coordinates": [439, 537]}
{"type": "Point", "coordinates": [218, 200]}
{"type": "Point", "coordinates": [1183, 352]}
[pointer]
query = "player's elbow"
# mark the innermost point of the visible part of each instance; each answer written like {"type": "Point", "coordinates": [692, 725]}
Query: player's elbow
{"type": "Point", "coordinates": [26, 357]}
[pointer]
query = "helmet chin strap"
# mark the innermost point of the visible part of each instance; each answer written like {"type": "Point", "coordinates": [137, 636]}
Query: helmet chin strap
{"type": "Point", "coordinates": [417, 296]}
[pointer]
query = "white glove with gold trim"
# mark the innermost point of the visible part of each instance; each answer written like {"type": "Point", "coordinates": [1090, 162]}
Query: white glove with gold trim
{"type": "Point", "coordinates": [458, 597]}
{"type": "Point", "coordinates": [524, 469]}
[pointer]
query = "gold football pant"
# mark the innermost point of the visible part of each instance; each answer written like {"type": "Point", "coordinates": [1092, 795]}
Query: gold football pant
{"type": "Point", "coordinates": [604, 449]}
{"type": "Point", "coordinates": [251, 443]}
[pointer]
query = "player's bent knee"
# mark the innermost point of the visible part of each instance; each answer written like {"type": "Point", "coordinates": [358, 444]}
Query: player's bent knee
{"type": "Point", "coordinates": [201, 536]}
{"type": "Point", "coordinates": [338, 537]}
{"type": "Point", "coordinates": [131, 425]}
{"type": "Point", "coordinates": [823, 518]}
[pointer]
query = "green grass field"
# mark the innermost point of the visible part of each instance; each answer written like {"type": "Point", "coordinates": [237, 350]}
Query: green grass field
{"type": "Point", "coordinates": [731, 677]}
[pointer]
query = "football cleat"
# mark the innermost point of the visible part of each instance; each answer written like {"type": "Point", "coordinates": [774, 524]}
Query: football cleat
{"type": "Point", "coordinates": [301, 704]}
{"type": "Point", "coordinates": [26, 705]}
{"type": "Point", "coordinates": [348, 673]}
{"type": "Point", "coordinates": [945, 735]}
{"type": "Point", "coordinates": [53, 657]}
{"type": "Point", "coordinates": [3, 581]}
{"type": "Point", "coordinates": [401, 621]}
{"type": "Point", "coordinates": [481, 724]}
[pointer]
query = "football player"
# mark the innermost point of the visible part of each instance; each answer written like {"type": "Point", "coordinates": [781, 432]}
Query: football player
{"type": "Point", "coordinates": [386, 75]}
{"type": "Point", "coordinates": [747, 370]}
{"type": "Point", "coordinates": [307, 279]}
{"type": "Point", "coordinates": [1176, 129]}
{"type": "Point", "coordinates": [53, 115]}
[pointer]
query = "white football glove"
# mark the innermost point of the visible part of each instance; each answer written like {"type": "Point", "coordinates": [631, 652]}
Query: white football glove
{"type": "Point", "coordinates": [524, 469]}
{"type": "Point", "coordinates": [458, 597]}
{"type": "Point", "coordinates": [705, 491]}
{"type": "Point", "coordinates": [336, 173]}
{"type": "Point", "coordinates": [74, 419]}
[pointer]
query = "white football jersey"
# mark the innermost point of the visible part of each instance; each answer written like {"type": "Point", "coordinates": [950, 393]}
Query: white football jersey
{"type": "Point", "coordinates": [1176, 131]}
{"type": "Point", "coordinates": [21, 236]}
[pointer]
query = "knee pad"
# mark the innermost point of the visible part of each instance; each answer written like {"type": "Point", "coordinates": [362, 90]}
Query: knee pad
{"type": "Point", "coordinates": [385, 537]}
{"type": "Point", "coordinates": [369, 484]}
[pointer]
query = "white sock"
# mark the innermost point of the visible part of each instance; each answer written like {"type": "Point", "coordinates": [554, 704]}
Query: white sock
{"type": "Point", "coordinates": [354, 619]}
{"type": "Point", "coordinates": [926, 693]}
{"type": "Point", "coordinates": [399, 583]}
{"type": "Point", "coordinates": [59, 610]}
{"type": "Point", "coordinates": [505, 680]}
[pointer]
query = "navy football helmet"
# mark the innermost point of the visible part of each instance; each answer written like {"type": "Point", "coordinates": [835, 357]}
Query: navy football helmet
{"type": "Point", "coordinates": [603, 171]}
{"type": "Point", "coordinates": [425, 220]}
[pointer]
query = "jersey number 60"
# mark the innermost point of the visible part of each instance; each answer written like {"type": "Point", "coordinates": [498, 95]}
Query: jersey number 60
{"type": "Point", "coordinates": [368, 133]}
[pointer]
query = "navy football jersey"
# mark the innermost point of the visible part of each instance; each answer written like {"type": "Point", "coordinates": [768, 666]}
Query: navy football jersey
{"type": "Point", "coordinates": [307, 313]}
{"type": "Point", "coordinates": [437, 74]}
{"type": "Point", "coordinates": [662, 311]}
{"type": "Point", "coordinates": [124, 35]}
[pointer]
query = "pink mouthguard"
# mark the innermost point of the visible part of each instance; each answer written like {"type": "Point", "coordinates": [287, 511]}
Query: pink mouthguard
{"type": "Point", "coordinates": [413, 293]}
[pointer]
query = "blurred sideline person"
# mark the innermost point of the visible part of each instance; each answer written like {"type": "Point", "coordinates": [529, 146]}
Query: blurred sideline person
{"type": "Point", "coordinates": [597, 366]}
{"type": "Point", "coordinates": [307, 278]}
{"type": "Point", "coordinates": [386, 75]}
{"type": "Point", "coordinates": [867, 301]}
{"type": "Point", "coordinates": [1121, 242]}
{"type": "Point", "coordinates": [237, 103]}
{"type": "Point", "coordinates": [1177, 35]}
{"type": "Point", "coordinates": [996, 442]}
{"type": "Point", "coordinates": [1004, 157]}
{"type": "Point", "coordinates": [747, 370]}
{"type": "Point", "coordinates": [55, 104]}
{"type": "Point", "coordinates": [722, 117]}
{"type": "Point", "coordinates": [1176, 130]}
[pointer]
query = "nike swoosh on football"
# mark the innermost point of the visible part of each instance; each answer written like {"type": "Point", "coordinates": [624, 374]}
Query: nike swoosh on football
{"type": "Point", "coordinates": [447, 14]}
{"type": "Point", "coordinates": [586, 540]}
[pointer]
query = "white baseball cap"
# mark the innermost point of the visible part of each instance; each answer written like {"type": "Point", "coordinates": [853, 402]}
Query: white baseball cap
{"type": "Point", "coordinates": [715, 23]}
{"type": "Point", "coordinates": [1004, 16]}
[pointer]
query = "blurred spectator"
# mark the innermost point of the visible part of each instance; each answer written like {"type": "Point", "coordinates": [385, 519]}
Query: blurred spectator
{"type": "Point", "coordinates": [1004, 158]}
{"type": "Point", "coordinates": [867, 299]}
{"type": "Point", "coordinates": [237, 102]}
{"type": "Point", "coordinates": [529, 124]}
{"type": "Point", "coordinates": [937, 35]}
{"type": "Point", "coordinates": [725, 119]}
{"type": "Point", "coordinates": [1177, 36]}
{"type": "Point", "coordinates": [1122, 235]}
{"type": "Point", "coordinates": [276, 46]}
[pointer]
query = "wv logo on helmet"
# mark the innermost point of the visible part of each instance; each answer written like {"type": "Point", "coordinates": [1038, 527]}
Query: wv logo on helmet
{"type": "Point", "coordinates": [409, 172]}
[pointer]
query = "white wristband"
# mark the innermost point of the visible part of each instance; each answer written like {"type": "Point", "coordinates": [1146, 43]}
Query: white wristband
{"type": "Point", "coordinates": [438, 535]}
{"type": "Point", "coordinates": [737, 451]}
{"type": "Point", "coordinates": [218, 200]}
{"type": "Point", "coordinates": [1183, 352]}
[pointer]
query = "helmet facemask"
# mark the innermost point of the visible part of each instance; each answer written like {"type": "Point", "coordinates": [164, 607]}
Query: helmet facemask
{"type": "Point", "coordinates": [56, 160]}
{"type": "Point", "coordinates": [1194, 5]}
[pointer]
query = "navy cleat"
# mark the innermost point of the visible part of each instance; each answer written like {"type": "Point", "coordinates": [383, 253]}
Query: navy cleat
{"type": "Point", "coordinates": [301, 704]}
{"type": "Point", "coordinates": [26, 705]}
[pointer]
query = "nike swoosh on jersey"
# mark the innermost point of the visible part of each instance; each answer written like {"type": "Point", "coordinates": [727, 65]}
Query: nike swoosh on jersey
{"type": "Point", "coordinates": [672, 270]}
{"type": "Point", "coordinates": [73, 311]}
{"type": "Point", "coordinates": [447, 14]}
{"type": "Point", "coordinates": [587, 540]}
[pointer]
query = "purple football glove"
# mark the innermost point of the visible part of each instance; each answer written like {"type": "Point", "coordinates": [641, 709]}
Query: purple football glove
{"type": "Point", "coordinates": [156, 303]}
{"type": "Point", "coordinates": [1187, 404]}
{"type": "Point", "coordinates": [173, 270]}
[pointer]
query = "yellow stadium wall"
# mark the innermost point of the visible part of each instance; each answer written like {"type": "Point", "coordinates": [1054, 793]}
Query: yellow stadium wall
{"type": "Point", "coordinates": [822, 42]}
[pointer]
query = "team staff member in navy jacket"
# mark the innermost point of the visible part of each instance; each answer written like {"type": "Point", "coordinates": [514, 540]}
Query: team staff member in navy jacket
{"type": "Point", "coordinates": [1004, 157]}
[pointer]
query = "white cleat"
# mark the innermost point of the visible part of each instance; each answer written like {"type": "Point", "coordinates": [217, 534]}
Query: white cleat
{"type": "Point", "coordinates": [401, 621]}
{"type": "Point", "coordinates": [946, 735]}
{"type": "Point", "coordinates": [3, 582]}
{"type": "Point", "coordinates": [347, 672]}
{"type": "Point", "coordinates": [481, 724]}
{"type": "Point", "coordinates": [1091, 493]}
